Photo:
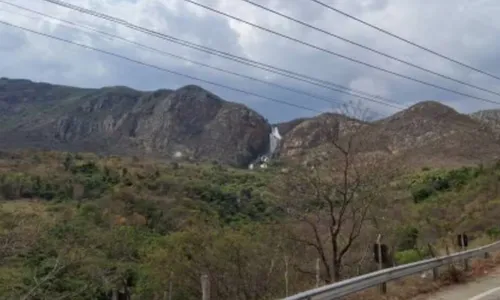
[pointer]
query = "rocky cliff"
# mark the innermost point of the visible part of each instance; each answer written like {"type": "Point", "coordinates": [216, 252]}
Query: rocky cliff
{"type": "Point", "coordinates": [489, 118]}
{"type": "Point", "coordinates": [189, 121]}
{"type": "Point", "coordinates": [195, 123]}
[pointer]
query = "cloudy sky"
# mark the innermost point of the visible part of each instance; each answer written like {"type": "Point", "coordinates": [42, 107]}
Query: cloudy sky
{"type": "Point", "coordinates": [466, 30]}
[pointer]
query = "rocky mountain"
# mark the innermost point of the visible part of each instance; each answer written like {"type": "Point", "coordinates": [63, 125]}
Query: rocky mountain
{"type": "Point", "coordinates": [301, 136]}
{"type": "Point", "coordinates": [490, 118]}
{"type": "Point", "coordinates": [189, 121]}
{"type": "Point", "coordinates": [437, 135]}
{"type": "Point", "coordinates": [194, 123]}
{"type": "Point", "coordinates": [426, 134]}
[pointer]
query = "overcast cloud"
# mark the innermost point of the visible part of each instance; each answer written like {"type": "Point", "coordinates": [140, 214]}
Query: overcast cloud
{"type": "Point", "coordinates": [463, 29]}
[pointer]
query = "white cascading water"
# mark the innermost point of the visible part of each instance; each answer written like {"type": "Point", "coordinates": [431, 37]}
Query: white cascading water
{"type": "Point", "coordinates": [274, 139]}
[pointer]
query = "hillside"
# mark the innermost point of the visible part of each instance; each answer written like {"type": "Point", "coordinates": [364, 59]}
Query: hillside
{"type": "Point", "coordinates": [301, 137]}
{"type": "Point", "coordinates": [490, 118]}
{"type": "Point", "coordinates": [426, 134]}
{"type": "Point", "coordinates": [434, 134]}
{"type": "Point", "coordinates": [190, 121]}
{"type": "Point", "coordinates": [197, 125]}
{"type": "Point", "coordinates": [78, 225]}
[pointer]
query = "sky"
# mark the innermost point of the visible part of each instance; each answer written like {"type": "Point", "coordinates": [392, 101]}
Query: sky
{"type": "Point", "coordinates": [464, 30]}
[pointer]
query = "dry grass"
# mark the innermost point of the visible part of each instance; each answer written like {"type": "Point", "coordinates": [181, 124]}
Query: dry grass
{"type": "Point", "coordinates": [22, 206]}
{"type": "Point", "coordinates": [418, 288]}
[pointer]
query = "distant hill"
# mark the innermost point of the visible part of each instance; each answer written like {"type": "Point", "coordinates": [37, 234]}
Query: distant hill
{"type": "Point", "coordinates": [314, 132]}
{"type": "Point", "coordinates": [120, 120]}
{"type": "Point", "coordinates": [426, 134]}
{"type": "Point", "coordinates": [489, 118]}
{"type": "Point", "coordinates": [434, 134]}
{"type": "Point", "coordinates": [199, 125]}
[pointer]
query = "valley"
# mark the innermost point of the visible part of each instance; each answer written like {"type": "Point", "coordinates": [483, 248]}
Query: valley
{"type": "Point", "coordinates": [141, 193]}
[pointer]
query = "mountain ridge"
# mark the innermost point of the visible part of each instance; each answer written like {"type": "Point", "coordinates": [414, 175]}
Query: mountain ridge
{"type": "Point", "coordinates": [197, 124]}
{"type": "Point", "coordinates": [189, 120]}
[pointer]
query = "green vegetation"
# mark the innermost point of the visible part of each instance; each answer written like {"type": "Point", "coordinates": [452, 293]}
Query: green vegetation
{"type": "Point", "coordinates": [83, 225]}
{"type": "Point", "coordinates": [409, 256]}
{"type": "Point", "coordinates": [408, 238]}
{"type": "Point", "coordinates": [79, 226]}
{"type": "Point", "coordinates": [430, 183]}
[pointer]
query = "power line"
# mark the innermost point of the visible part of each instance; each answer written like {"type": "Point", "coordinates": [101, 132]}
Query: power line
{"type": "Point", "coordinates": [19, 14]}
{"type": "Point", "coordinates": [165, 53]}
{"type": "Point", "coordinates": [159, 68]}
{"type": "Point", "coordinates": [283, 72]}
{"type": "Point", "coordinates": [336, 54]}
{"type": "Point", "coordinates": [369, 48]}
{"type": "Point", "coordinates": [405, 40]}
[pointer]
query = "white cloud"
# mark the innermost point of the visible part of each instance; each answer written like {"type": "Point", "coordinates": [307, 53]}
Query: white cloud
{"type": "Point", "coordinates": [462, 29]}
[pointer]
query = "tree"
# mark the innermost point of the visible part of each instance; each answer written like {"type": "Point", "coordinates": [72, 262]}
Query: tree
{"type": "Point", "coordinates": [329, 199]}
{"type": "Point", "coordinates": [448, 215]}
{"type": "Point", "coordinates": [68, 162]}
{"type": "Point", "coordinates": [18, 233]}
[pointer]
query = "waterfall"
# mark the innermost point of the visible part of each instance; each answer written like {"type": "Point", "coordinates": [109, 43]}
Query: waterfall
{"type": "Point", "coordinates": [274, 139]}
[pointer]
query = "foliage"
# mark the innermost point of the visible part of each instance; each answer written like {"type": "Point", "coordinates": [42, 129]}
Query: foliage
{"type": "Point", "coordinates": [407, 237]}
{"type": "Point", "coordinates": [114, 224]}
{"type": "Point", "coordinates": [408, 256]}
{"type": "Point", "coordinates": [433, 182]}
{"type": "Point", "coordinates": [77, 226]}
{"type": "Point", "coordinates": [493, 232]}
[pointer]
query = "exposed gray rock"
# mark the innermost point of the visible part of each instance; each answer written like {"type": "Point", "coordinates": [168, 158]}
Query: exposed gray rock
{"type": "Point", "coordinates": [121, 120]}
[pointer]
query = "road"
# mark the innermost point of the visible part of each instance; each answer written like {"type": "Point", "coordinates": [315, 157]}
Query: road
{"type": "Point", "coordinates": [485, 288]}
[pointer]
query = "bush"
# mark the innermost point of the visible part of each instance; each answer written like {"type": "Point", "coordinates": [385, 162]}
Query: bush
{"type": "Point", "coordinates": [87, 168]}
{"type": "Point", "coordinates": [440, 184]}
{"type": "Point", "coordinates": [454, 275]}
{"type": "Point", "coordinates": [463, 175]}
{"type": "Point", "coordinates": [407, 256]}
{"type": "Point", "coordinates": [411, 256]}
{"type": "Point", "coordinates": [21, 185]}
{"type": "Point", "coordinates": [421, 193]}
{"type": "Point", "coordinates": [408, 236]}
{"type": "Point", "coordinates": [68, 162]}
{"type": "Point", "coordinates": [493, 232]}
{"type": "Point", "coordinates": [443, 181]}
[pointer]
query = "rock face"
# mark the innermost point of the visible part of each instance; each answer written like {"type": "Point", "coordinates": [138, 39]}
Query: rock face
{"type": "Point", "coordinates": [434, 134]}
{"type": "Point", "coordinates": [489, 118]}
{"type": "Point", "coordinates": [300, 137]}
{"type": "Point", "coordinates": [120, 120]}
{"type": "Point", "coordinates": [426, 134]}
{"type": "Point", "coordinates": [192, 122]}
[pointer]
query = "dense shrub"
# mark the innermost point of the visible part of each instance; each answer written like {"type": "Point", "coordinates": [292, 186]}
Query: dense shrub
{"type": "Point", "coordinates": [19, 185]}
{"type": "Point", "coordinates": [493, 232]}
{"type": "Point", "coordinates": [407, 256]}
{"type": "Point", "coordinates": [407, 237]}
{"type": "Point", "coordinates": [435, 182]}
{"type": "Point", "coordinates": [421, 193]}
{"type": "Point", "coordinates": [410, 256]}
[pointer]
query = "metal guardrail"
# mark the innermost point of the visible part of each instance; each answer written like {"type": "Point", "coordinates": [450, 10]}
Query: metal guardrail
{"type": "Point", "coordinates": [356, 284]}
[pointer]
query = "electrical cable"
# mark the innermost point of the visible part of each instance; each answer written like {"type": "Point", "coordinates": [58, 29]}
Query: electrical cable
{"type": "Point", "coordinates": [158, 68]}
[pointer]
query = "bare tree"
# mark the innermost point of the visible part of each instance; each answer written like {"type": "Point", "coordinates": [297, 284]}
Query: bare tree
{"type": "Point", "coordinates": [329, 198]}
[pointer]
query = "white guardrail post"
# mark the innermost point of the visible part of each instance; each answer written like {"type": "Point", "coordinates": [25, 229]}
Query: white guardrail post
{"type": "Point", "coordinates": [363, 282]}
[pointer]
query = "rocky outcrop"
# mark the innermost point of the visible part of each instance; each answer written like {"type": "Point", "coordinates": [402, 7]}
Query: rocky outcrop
{"type": "Point", "coordinates": [190, 120]}
{"type": "Point", "coordinates": [314, 132]}
{"type": "Point", "coordinates": [426, 134]}
{"type": "Point", "coordinates": [194, 123]}
{"type": "Point", "coordinates": [490, 119]}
